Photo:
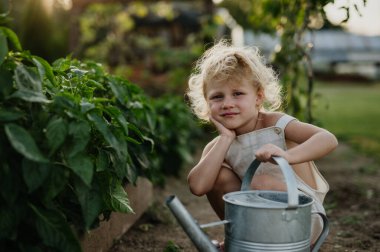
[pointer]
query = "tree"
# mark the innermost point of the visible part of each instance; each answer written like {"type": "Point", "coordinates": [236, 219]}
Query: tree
{"type": "Point", "coordinates": [289, 20]}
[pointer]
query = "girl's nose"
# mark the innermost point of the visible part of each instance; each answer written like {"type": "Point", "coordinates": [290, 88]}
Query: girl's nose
{"type": "Point", "coordinates": [228, 103]}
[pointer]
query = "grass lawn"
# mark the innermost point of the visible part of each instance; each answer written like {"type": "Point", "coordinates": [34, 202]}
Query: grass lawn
{"type": "Point", "coordinates": [352, 112]}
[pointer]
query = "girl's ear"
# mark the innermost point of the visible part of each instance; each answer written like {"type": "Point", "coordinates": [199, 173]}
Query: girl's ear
{"type": "Point", "coordinates": [260, 97]}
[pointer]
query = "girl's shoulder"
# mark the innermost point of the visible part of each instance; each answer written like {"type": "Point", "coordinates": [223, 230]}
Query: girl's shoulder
{"type": "Point", "coordinates": [270, 118]}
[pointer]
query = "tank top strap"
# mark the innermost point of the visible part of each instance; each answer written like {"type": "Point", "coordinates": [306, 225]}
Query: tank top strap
{"type": "Point", "coordinates": [284, 120]}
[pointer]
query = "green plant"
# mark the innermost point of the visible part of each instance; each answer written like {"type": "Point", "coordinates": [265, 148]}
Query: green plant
{"type": "Point", "coordinates": [64, 148]}
{"type": "Point", "coordinates": [172, 247]}
{"type": "Point", "coordinates": [178, 131]}
{"type": "Point", "coordinates": [71, 136]}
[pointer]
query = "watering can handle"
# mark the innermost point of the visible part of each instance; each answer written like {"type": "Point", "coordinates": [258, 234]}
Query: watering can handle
{"type": "Point", "coordinates": [325, 231]}
{"type": "Point", "coordinates": [291, 182]}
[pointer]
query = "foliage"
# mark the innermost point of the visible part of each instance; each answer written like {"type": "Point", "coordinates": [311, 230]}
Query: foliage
{"type": "Point", "coordinates": [178, 131]}
{"type": "Point", "coordinates": [71, 136]}
{"type": "Point", "coordinates": [289, 20]}
{"type": "Point", "coordinates": [41, 29]}
{"type": "Point", "coordinates": [145, 42]}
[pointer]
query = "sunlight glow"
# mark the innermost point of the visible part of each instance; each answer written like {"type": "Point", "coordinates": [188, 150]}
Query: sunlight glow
{"type": "Point", "coordinates": [49, 5]}
{"type": "Point", "coordinates": [366, 24]}
{"type": "Point", "coordinates": [66, 4]}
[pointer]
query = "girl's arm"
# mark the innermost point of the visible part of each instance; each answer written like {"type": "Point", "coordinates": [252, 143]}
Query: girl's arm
{"type": "Point", "coordinates": [202, 177]}
{"type": "Point", "coordinates": [313, 143]}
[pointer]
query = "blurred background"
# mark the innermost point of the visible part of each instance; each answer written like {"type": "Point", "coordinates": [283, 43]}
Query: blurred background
{"type": "Point", "coordinates": [327, 52]}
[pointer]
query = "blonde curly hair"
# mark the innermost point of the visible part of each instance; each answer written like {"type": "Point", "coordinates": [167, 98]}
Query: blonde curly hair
{"type": "Point", "coordinates": [224, 62]}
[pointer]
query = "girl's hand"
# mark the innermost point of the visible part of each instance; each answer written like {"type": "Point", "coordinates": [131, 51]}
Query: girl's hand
{"type": "Point", "coordinates": [223, 131]}
{"type": "Point", "coordinates": [265, 153]}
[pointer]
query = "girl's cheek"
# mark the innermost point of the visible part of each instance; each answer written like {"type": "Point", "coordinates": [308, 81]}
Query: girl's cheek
{"type": "Point", "coordinates": [210, 106]}
{"type": "Point", "coordinates": [213, 109]}
{"type": "Point", "coordinates": [209, 112]}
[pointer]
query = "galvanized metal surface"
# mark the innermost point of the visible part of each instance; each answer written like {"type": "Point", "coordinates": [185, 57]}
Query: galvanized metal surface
{"type": "Point", "coordinates": [192, 229]}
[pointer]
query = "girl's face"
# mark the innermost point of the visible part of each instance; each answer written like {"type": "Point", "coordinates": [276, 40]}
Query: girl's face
{"type": "Point", "coordinates": [234, 104]}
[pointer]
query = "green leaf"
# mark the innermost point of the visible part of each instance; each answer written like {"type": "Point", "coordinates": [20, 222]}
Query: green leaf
{"type": "Point", "coordinates": [3, 47]}
{"type": "Point", "coordinates": [30, 96]}
{"type": "Point", "coordinates": [65, 101]}
{"type": "Point", "coordinates": [62, 64]}
{"type": "Point", "coordinates": [83, 167]}
{"type": "Point", "coordinates": [29, 85]}
{"type": "Point", "coordinates": [44, 69]}
{"type": "Point", "coordinates": [26, 79]}
{"type": "Point", "coordinates": [131, 170]}
{"type": "Point", "coordinates": [120, 166]}
{"type": "Point", "coordinates": [54, 230]}
{"type": "Point", "coordinates": [12, 37]}
{"type": "Point", "coordinates": [86, 106]}
{"type": "Point", "coordinates": [115, 113]}
{"type": "Point", "coordinates": [120, 91]}
{"type": "Point", "coordinates": [9, 115]}
{"type": "Point", "coordinates": [96, 84]}
{"type": "Point", "coordinates": [80, 131]}
{"type": "Point", "coordinates": [77, 71]}
{"type": "Point", "coordinates": [120, 119]}
{"type": "Point", "coordinates": [135, 129]}
{"type": "Point", "coordinates": [24, 143]}
{"type": "Point", "coordinates": [56, 133]}
{"type": "Point", "coordinates": [102, 161]}
{"type": "Point", "coordinates": [34, 174]}
{"type": "Point", "coordinates": [55, 182]}
{"type": "Point", "coordinates": [119, 145]}
{"type": "Point", "coordinates": [132, 140]}
{"type": "Point", "coordinates": [91, 203]}
{"type": "Point", "coordinates": [119, 199]}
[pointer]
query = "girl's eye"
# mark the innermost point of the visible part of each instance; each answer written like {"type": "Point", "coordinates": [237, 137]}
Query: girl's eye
{"type": "Point", "coordinates": [238, 93]}
{"type": "Point", "coordinates": [216, 97]}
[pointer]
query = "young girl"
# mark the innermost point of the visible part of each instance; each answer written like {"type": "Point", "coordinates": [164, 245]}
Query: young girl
{"type": "Point", "coordinates": [232, 88]}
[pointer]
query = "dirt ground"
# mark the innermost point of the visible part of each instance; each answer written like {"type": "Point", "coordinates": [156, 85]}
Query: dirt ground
{"type": "Point", "coordinates": [352, 204]}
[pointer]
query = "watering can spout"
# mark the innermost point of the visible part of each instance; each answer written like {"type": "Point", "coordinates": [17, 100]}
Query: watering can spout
{"type": "Point", "coordinates": [189, 225]}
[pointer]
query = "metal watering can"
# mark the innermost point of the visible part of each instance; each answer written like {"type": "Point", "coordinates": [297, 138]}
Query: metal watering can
{"type": "Point", "coordinates": [258, 220]}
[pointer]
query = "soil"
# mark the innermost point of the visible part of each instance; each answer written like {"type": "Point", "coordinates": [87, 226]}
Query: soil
{"type": "Point", "coordinates": [352, 205]}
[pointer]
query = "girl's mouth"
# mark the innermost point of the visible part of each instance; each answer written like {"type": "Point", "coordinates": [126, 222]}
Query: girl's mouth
{"type": "Point", "coordinates": [228, 114]}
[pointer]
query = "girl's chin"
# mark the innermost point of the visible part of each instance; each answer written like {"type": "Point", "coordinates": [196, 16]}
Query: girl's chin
{"type": "Point", "coordinates": [231, 127]}
{"type": "Point", "coordinates": [228, 125]}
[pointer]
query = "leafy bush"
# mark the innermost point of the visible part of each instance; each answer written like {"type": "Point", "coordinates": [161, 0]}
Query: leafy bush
{"type": "Point", "coordinates": [177, 130]}
{"type": "Point", "coordinates": [71, 136]}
